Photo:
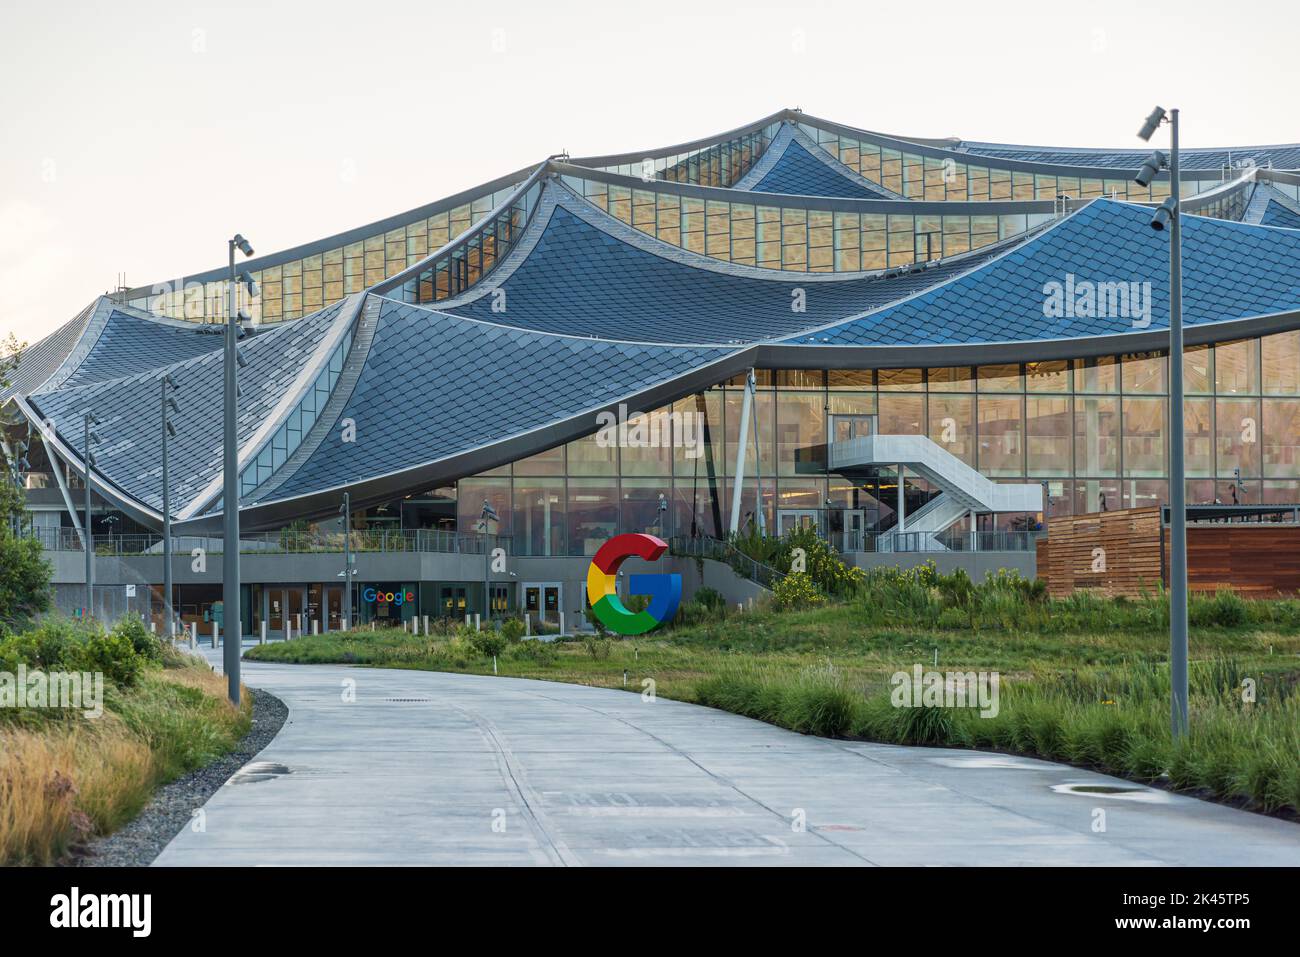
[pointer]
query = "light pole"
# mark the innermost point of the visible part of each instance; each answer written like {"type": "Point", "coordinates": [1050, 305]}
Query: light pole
{"type": "Point", "coordinates": [88, 438]}
{"type": "Point", "coordinates": [168, 431]}
{"type": "Point", "coordinates": [488, 513]}
{"type": "Point", "coordinates": [346, 510]}
{"type": "Point", "coordinates": [230, 475]}
{"type": "Point", "coordinates": [1169, 215]}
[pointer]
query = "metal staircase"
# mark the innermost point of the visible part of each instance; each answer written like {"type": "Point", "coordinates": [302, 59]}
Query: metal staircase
{"type": "Point", "coordinates": [964, 490]}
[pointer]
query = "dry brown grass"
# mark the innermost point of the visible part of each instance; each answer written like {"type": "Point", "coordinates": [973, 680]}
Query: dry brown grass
{"type": "Point", "coordinates": [66, 782]}
{"type": "Point", "coordinates": [73, 778]}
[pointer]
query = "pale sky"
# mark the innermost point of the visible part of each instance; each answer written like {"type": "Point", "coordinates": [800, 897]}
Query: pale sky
{"type": "Point", "coordinates": [138, 136]}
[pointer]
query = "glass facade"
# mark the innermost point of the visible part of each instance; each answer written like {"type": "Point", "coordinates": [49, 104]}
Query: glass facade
{"type": "Point", "coordinates": [719, 164]}
{"type": "Point", "coordinates": [1094, 431]}
{"type": "Point", "coordinates": [935, 179]}
{"type": "Point", "coordinates": [300, 287]}
{"type": "Point", "coordinates": [795, 238]}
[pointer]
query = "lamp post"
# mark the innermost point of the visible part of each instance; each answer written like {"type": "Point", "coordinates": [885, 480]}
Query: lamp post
{"type": "Point", "coordinates": [346, 510]}
{"type": "Point", "coordinates": [230, 475]}
{"type": "Point", "coordinates": [168, 431]}
{"type": "Point", "coordinates": [1169, 215]}
{"type": "Point", "coordinates": [88, 438]}
{"type": "Point", "coordinates": [488, 513]}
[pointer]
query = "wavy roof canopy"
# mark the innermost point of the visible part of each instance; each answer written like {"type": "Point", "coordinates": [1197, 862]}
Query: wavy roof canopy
{"type": "Point", "coordinates": [559, 311]}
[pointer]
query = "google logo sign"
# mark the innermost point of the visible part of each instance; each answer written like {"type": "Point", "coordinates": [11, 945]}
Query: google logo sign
{"type": "Point", "coordinates": [665, 591]}
{"type": "Point", "coordinates": [391, 597]}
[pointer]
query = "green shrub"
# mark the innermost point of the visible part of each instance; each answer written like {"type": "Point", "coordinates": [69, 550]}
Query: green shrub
{"type": "Point", "coordinates": [143, 641]}
{"type": "Point", "coordinates": [488, 643]}
{"type": "Point", "coordinates": [534, 651]}
{"type": "Point", "coordinates": [598, 648]}
{"type": "Point", "coordinates": [512, 629]}
{"type": "Point", "coordinates": [796, 590]}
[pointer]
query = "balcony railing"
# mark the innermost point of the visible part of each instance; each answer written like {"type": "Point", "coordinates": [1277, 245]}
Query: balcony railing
{"type": "Point", "coordinates": [718, 551]}
{"type": "Point", "coordinates": [286, 542]}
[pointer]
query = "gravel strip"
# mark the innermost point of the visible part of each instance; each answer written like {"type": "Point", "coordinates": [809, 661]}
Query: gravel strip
{"type": "Point", "coordinates": [171, 808]}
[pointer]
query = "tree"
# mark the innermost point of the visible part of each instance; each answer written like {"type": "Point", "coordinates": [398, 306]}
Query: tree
{"type": "Point", "coordinates": [24, 572]}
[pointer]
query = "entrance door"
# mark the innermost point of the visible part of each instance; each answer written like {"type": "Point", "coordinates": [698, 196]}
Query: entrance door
{"type": "Point", "coordinates": [334, 608]}
{"type": "Point", "coordinates": [855, 426]}
{"type": "Point", "coordinates": [452, 602]}
{"type": "Point", "coordinates": [852, 532]}
{"type": "Point", "coordinates": [542, 602]}
{"type": "Point", "coordinates": [793, 519]}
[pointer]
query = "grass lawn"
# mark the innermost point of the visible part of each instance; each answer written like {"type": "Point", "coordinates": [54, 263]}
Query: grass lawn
{"type": "Point", "coordinates": [66, 777]}
{"type": "Point", "coordinates": [1084, 681]}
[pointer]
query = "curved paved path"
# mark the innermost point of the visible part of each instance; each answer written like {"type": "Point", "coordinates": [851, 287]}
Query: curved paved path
{"type": "Point", "coordinates": [429, 768]}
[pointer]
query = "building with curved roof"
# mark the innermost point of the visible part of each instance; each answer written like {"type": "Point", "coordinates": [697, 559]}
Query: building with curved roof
{"type": "Point", "coordinates": [950, 340]}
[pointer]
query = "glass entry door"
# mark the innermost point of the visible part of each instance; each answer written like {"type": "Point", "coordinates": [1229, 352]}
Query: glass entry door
{"type": "Point", "coordinates": [452, 602]}
{"type": "Point", "coordinates": [845, 427]}
{"type": "Point", "coordinates": [848, 528]}
{"type": "Point", "coordinates": [542, 602]}
{"type": "Point", "coordinates": [793, 519]}
{"type": "Point", "coordinates": [334, 608]}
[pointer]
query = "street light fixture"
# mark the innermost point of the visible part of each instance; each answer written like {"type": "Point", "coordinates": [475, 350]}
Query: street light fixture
{"type": "Point", "coordinates": [231, 620]}
{"type": "Point", "coordinates": [168, 433]}
{"type": "Point", "coordinates": [346, 511]}
{"type": "Point", "coordinates": [1169, 217]}
{"type": "Point", "coordinates": [488, 513]}
{"type": "Point", "coordinates": [89, 438]}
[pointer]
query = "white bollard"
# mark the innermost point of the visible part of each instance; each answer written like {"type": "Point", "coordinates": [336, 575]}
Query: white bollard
{"type": "Point", "coordinates": [478, 624]}
{"type": "Point", "coordinates": [751, 602]}
{"type": "Point", "coordinates": [426, 626]}
{"type": "Point", "coordinates": [467, 621]}
{"type": "Point", "coordinates": [528, 625]}
{"type": "Point", "coordinates": [561, 622]}
{"type": "Point", "coordinates": [153, 627]}
{"type": "Point", "coordinates": [262, 637]}
{"type": "Point", "coordinates": [740, 606]}
{"type": "Point", "coordinates": [214, 635]}
{"type": "Point", "coordinates": [315, 626]}
{"type": "Point", "coordinates": [194, 634]}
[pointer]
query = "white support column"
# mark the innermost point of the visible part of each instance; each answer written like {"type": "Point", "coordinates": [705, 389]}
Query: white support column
{"type": "Point", "coordinates": [742, 443]}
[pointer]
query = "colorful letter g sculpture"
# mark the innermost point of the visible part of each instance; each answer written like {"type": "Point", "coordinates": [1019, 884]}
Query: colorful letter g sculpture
{"type": "Point", "coordinates": [664, 591]}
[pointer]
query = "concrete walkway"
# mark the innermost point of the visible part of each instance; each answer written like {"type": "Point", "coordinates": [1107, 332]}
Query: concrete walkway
{"type": "Point", "coordinates": [426, 768]}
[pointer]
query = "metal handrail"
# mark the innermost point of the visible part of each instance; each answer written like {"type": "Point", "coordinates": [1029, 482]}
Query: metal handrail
{"type": "Point", "coordinates": [284, 542]}
{"type": "Point", "coordinates": [718, 551]}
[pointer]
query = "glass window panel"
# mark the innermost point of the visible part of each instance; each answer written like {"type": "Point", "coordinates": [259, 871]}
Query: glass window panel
{"type": "Point", "coordinates": [1198, 370]}
{"type": "Point", "coordinates": [801, 432]}
{"type": "Point", "coordinates": [550, 462]}
{"type": "Point", "coordinates": [952, 425]}
{"type": "Point", "coordinates": [902, 414]}
{"type": "Point", "coordinates": [641, 510]}
{"type": "Point", "coordinates": [1001, 435]}
{"type": "Point", "coordinates": [596, 454]}
{"type": "Point", "coordinates": [1048, 435]}
{"type": "Point", "coordinates": [1236, 427]}
{"type": "Point", "coordinates": [1096, 436]}
{"type": "Point", "coordinates": [1280, 355]}
{"type": "Point", "coordinates": [1144, 437]}
{"type": "Point", "coordinates": [1282, 438]}
{"type": "Point", "coordinates": [999, 378]}
{"type": "Point", "coordinates": [1236, 367]}
{"type": "Point", "coordinates": [538, 523]}
{"type": "Point", "coordinates": [1096, 375]}
{"type": "Point", "coordinates": [951, 379]}
{"type": "Point", "coordinates": [901, 380]}
{"type": "Point", "coordinates": [1049, 376]}
{"type": "Point", "coordinates": [592, 513]}
{"type": "Point", "coordinates": [1198, 435]}
{"type": "Point", "coordinates": [1144, 373]}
